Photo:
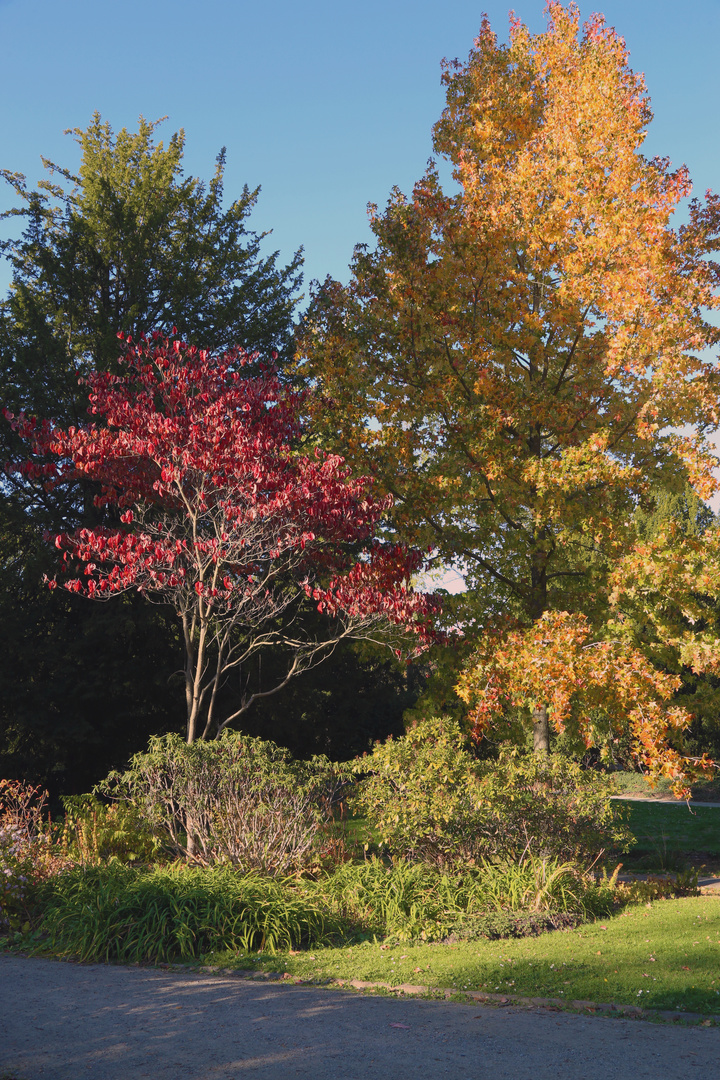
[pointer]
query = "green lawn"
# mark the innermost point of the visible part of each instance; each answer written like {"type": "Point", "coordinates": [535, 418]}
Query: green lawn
{"type": "Point", "coordinates": [666, 831]}
{"type": "Point", "coordinates": [665, 956]}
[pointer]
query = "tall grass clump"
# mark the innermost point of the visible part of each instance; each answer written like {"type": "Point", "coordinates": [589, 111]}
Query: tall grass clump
{"type": "Point", "coordinates": [129, 915]}
{"type": "Point", "coordinates": [416, 901]}
{"type": "Point", "coordinates": [124, 914]}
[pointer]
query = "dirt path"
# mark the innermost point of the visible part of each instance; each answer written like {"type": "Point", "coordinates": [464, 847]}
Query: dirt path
{"type": "Point", "coordinates": [62, 1021]}
{"type": "Point", "coordinates": [692, 803]}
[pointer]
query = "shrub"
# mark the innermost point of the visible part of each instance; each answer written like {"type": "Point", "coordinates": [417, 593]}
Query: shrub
{"type": "Point", "coordinates": [551, 807]}
{"type": "Point", "coordinates": [27, 854]}
{"type": "Point", "coordinates": [420, 793]}
{"type": "Point", "coordinates": [235, 800]}
{"type": "Point", "coordinates": [429, 799]}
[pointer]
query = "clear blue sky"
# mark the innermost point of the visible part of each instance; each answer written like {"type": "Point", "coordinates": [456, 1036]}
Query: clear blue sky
{"type": "Point", "coordinates": [326, 104]}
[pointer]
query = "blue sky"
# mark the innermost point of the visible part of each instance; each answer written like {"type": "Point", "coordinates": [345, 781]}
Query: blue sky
{"type": "Point", "coordinates": [326, 104]}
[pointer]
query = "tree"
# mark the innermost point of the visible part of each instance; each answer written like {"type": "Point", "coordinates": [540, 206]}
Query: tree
{"type": "Point", "coordinates": [134, 245]}
{"type": "Point", "coordinates": [675, 606]}
{"type": "Point", "coordinates": [517, 363]}
{"type": "Point", "coordinates": [211, 510]}
{"type": "Point", "coordinates": [600, 688]}
{"type": "Point", "coordinates": [126, 241]}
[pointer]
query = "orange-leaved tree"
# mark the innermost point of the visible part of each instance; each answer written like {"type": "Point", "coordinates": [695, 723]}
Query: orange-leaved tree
{"type": "Point", "coordinates": [522, 361]}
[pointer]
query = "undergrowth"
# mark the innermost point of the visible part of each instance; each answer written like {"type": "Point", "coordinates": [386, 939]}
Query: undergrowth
{"type": "Point", "coordinates": [129, 915]}
{"type": "Point", "coordinates": [412, 901]}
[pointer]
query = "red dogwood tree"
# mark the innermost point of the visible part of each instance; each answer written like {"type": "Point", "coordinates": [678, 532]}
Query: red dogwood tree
{"type": "Point", "coordinates": [210, 507]}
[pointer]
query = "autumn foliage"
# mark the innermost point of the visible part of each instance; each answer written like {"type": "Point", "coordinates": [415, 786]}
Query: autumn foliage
{"type": "Point", "coordinates": [521, 364]}
{"type": "Point", "coordinates": [600, 689]}
{"type": "Point", "coordinates": [210, 508]}
{"type": "Point", "coordinates": [533, 348]}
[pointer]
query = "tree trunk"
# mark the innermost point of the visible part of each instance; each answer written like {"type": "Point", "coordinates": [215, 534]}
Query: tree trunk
{"type": "Point", "coordinates": [541, 730]}
{"type": "Point", "coordinates": [538, 604]}
{"type": "Point", "coordinates": [191, 846]}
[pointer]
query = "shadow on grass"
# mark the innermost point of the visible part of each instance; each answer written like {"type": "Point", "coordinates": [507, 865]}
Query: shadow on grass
{"type": "Point", "coordinates": [671, 989]}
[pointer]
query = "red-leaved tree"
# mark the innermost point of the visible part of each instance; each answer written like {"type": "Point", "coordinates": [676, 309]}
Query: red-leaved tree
{"type": "Point", "coordinates": [210, 507]}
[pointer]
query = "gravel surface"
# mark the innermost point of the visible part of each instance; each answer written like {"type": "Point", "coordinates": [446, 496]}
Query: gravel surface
{"type": "Point", "coordinates": [64, 1021]}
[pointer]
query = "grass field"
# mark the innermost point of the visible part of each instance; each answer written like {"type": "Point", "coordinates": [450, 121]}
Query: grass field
{"type": "Point", "coordinates": [665, 956]}
{"type": "Point", "coordinates": [669, 832]}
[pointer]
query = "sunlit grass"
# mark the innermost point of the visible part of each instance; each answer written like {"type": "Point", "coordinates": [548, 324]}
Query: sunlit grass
{"type": "Point", "coordinates": [664, 956]}
{"type": "Point", "coordinates": [630, 783]}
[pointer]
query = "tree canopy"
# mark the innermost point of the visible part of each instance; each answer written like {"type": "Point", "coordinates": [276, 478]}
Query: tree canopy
{"type": "Point", "coordinates": [522, 362]}
{"type": "Point", "coordinates": [129, 243]}
{"type": "Point", "coordinates": [135, 245]}
{"type": "Point", "coordinates": [216, 514]}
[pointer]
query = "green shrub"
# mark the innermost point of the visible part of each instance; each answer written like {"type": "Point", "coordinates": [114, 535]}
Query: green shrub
{"type": "Point", "coordinates": [550, 807]}
{"type": "Point", "coordinates": [94, 832]}
{"type": "Point", "coordinates": [420, 794]}
{"type": "Point", "coordinates": [235, 800]}
{"type": "Point", "coordinates": [429, 799]}
{"type": "Point", "coordinates": [126, 914]}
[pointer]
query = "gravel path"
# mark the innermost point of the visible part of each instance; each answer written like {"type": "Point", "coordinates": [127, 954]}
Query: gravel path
{"type": "Point", "coordinates": [62, 1021]}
